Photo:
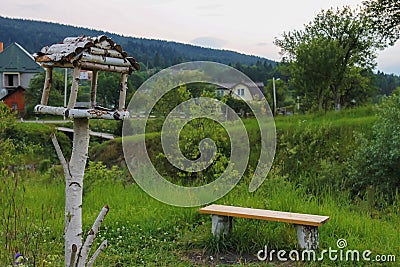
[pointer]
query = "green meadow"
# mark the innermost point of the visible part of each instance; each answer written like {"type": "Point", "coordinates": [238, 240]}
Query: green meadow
{"type": "Point", "coordinates": [310, 174]}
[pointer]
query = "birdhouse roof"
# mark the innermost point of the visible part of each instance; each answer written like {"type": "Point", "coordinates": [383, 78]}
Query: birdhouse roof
{"type": "Point", "coordinates": [89, 53]}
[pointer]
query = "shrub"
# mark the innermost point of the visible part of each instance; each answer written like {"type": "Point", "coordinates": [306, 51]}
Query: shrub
{"type": "Point", "coordinates": [44, 165]}
{"type": "Point", "coordinates": [376, 161]}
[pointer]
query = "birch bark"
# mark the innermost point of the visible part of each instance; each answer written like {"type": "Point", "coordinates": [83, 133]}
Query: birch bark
{"type": "Point", "coordinates": [74, 186]}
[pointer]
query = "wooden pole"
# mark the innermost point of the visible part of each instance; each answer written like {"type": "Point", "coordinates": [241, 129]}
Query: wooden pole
{"type": "Point", "coordinates": [83, 113]}
{"type": "Point", "coordinates": [75, 86]}
{"type": "Point", "coordinates": [47, 86]}
{"type": "Point", "coordinates": [122, 93]}
{"type": "Point", "coordinates": [102, 67]}
{"type": "Point", "coordinates": [93, 91]}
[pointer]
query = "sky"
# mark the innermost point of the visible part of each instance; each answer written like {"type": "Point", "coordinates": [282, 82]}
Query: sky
{"type": "Point", "coordinates": [248, 27]}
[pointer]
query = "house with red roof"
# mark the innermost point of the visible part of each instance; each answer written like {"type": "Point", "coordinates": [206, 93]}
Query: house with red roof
{"type": "Point", "coordinates": [17, 68]}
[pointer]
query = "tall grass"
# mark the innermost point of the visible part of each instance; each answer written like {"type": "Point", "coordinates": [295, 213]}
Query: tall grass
{"type": "Point", "coordinates": [144, 232]}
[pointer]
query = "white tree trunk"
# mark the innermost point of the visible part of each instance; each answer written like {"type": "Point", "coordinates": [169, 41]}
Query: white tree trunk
{"type": "Point", "coordinates": [74, 186]}
{"type": "Point", "coordinates": [93, 90]}
{"type": "Point", "coordinates": [75, 87]}
{"type": "Point", "coordinates": [122, 93]}
{"type": "Point", "coordinates": [77, 255]}
{"type": "Point", "coordinates": [47, 86]}
{"type": "Point", "coordinates": [83, 113]}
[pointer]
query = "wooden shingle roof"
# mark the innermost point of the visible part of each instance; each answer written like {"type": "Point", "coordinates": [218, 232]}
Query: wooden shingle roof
{"type": "Point", "coordinates": [89, 53]}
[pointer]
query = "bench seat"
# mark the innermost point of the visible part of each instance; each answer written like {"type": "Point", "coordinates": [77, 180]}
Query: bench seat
{"type": "Point", "coordinates": [268, 215]}
{"type": "Point", "coordinates": [306, 224]}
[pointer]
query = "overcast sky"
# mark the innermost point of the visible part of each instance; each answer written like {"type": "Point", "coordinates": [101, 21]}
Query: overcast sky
{"type": "Point", "coordinates": [244, 26]}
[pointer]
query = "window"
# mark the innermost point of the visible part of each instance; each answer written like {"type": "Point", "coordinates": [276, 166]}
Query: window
{"type": "Point", "coordinates": [240, 92]}
{"type": "Point", "coordinates": [11, 80]}
{"type": "Point", "coordinates": [219, 93]}
{"type": "Point", "coordinates": [14, 106]}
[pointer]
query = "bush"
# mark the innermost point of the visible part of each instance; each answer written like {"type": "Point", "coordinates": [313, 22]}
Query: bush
{"type": "Point", "coordinates": [44, 165]}
{"type": "Point", "coordinates": [97, 172]}
{"type": "Point", "coordinates": [376, 161]}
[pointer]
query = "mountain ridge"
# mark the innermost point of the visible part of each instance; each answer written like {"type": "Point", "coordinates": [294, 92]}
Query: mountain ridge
{"type": "Point", "coordinates": [34, 34]}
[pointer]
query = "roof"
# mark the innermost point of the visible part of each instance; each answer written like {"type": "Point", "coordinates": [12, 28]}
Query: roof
{"type": "Point", "coordinates": [88, 52]}
{"type": "Point", "coordinates": [15, 58]}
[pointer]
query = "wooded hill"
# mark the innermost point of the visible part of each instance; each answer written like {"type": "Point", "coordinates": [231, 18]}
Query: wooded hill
{"type": "Point", "coordinates": [33, 35]}
{"type": "Point", "coordinates": [158, 54]}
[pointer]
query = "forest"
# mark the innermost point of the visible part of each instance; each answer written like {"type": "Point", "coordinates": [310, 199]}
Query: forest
{"type": "Point", "coordinates": [34, 35]}
{"type": "Point", "coordinates": [155, 55]}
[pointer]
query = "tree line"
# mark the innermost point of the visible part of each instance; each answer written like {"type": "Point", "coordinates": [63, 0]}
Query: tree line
{"type": "Point", "coordinates": [33, 35]}
{"type": "Point", "coordinates": [327, 65]}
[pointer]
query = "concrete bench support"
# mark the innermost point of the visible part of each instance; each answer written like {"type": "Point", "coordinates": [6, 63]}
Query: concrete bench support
{"type": "Point", "coordinates": [307, 236]}
{"type": "Point", "coordinates": [221, 225]}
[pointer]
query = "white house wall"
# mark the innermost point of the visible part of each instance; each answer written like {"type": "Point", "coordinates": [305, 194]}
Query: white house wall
{"type": "Point", "coordinates": [247, 95]}
{"type": "Point", "coordinates": [26, 78]}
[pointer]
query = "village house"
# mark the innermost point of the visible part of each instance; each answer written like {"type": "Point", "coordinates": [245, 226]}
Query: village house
{"type": "Point", "coordinates": [242, 90]}
{"type": "Point", "coordinates": [17, 68]}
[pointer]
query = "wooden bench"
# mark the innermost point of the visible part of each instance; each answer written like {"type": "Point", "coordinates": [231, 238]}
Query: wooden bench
{"type": "Point", "coordinates": [306, 224]}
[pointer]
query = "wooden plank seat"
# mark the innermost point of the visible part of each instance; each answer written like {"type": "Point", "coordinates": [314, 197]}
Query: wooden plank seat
{"type": "Point", "coordinates": [306, 224]}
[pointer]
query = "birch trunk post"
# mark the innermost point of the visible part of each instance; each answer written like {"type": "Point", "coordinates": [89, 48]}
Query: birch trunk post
{"type": "Point", "coordinates": [77, 255]}
{"type": "Point", "coordinates": [74, 189]}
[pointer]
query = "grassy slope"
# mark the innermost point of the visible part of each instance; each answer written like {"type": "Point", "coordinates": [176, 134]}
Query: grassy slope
{"type": "Point", "coordinates": [144, 232]}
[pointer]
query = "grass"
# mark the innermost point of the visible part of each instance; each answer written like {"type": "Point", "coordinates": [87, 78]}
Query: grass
{"type": "Point", "coordinates": [360, 117]}
{"type": "Point", "coordinates": [145, 232]}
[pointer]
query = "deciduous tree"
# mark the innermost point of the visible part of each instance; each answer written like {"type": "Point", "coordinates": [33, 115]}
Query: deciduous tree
{"type": "Point", "coordinates": [336, 43]}
{"type": "Point", "coordinates": [385, 18]}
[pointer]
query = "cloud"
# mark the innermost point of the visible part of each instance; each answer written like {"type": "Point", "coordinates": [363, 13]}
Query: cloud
{"type": "Point", "coordinates": [210, 10]}
{"type": "Point", "coordinates": [30, 6]}
{"type": "Point", "coordinates": [210, 6]}
{"type": "Point", "coordinates": [388, 60]}
{"type": "Point", "coordinates": [263, 44]}
{"type": "Point", "coordinates": [207, 41]}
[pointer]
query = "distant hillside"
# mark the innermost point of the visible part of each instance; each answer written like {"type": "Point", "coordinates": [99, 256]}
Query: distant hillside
{"type": "Point", "coordinates": [33, 35]}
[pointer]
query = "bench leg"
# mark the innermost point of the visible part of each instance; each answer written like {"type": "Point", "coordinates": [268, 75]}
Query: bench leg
{"type": "Point", "coordinates": [307, 236]}
{"type": "Point", "coordinates": [221, 225]}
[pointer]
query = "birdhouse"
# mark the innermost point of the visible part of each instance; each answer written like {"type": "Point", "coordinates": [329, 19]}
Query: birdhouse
{"type": "Point", "coordinates": [85, 53]}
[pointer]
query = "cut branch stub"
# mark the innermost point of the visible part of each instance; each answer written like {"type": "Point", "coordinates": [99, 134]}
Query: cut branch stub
{"type": "Point", "coordinates": [84, 254]}
{"type": "Point", "coordinates": [74, 249]}
{"type": "Point", "coordinates": [96, 254]}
